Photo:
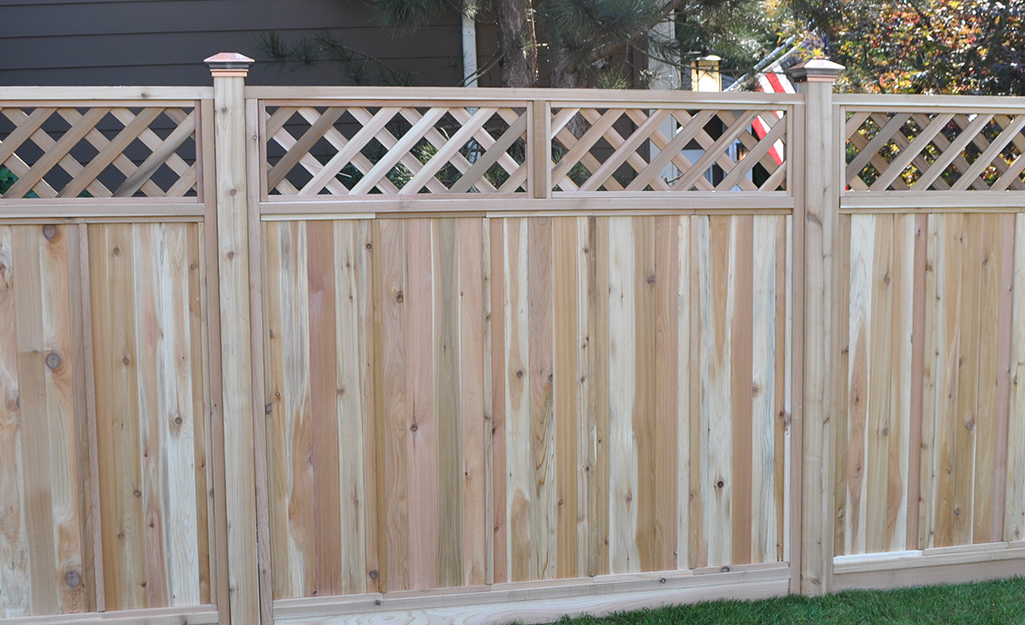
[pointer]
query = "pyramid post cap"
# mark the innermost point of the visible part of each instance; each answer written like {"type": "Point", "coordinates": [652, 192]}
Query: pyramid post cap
{"type": "Point", "coordinates": [816, 70]}
{"type": "Point", "coordinates": [228, 61]}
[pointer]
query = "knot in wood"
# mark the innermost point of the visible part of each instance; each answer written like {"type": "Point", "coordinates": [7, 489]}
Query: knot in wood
{"type": "Point", "coordinates": [178, 420]}
{"type": "Point", "coordinates": [414, 428]}
{"type": "Point", "coordinates": [373, 573]}
{"type": "Point", "coordinates": [53, 360]}
{"type": "Point", "coordinates": [49, 232]}
{"type": "Point", "coordinates": [720, 484]}
{"type": "Point", "coordinates": [724, 569]}
{"type": "Point", "coordinates": [651, 279]}
{"type": "Point", "coordinates": [399, 297]}
{"type": "Point", "coordinates": [73, 579]}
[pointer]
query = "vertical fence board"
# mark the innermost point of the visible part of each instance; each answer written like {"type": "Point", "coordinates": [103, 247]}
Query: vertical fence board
{"type": "Point", "coordinates": [472, 422]}
{"type": "Point", "coordinates": [448, 391]}
{"type": "Point", "coordinates": [350, 269]}
{"type": "Point", "coordinates": [1014, 512]}
{"type": "Point", "coordinates": [643, 413]}
{"type": "Point", "coordinates": [967, 382]}
{"type": "Point", "coordinates": [115, 366]}
{"type": "Point", "coordinates": [862, 237]}
{"type": "Point", "coordinates": [764, 348]}
{"type": "Point", "coordinates": [389, 246]}
{"type": "Point", "coordinates": [326, 489]}
{"type": "Point", "coordinates": [421, 427]}
{"type": "Point", "coordinates": [148, 238]}
{"type": "Point", "coordinates": [665, 334]}
{"type": "Point", "coordinates": [62, 414]}
{"type": "Point", "coordinates": [716, 236]}
{"type": "Point", "coordinates": [498, 263]}
{"type": "Point", "coordinates": [14, 570]}
{"type": "Point", "coordinates": [599, 494]}
{"type": "Point", "coordinates": [623, 452]}
{"type": "Point", "coordinates": [745, 472]}
{"type": "Point", "coordinates": [519, 465]}
{"type": "Point", "coordinates": [543, 513]}
{"type": "Point", "coordinates": [566, 335]}
{"type": "Point", "coordinates": [35, 435]}
{"type": "Point", "coordinates": [686, 390]}
{"type": "Point", "coordinates": [879, 417]}
{"type": "Point", "coordinates": [990, 281]}
{"type": "Point", "coordinates": [698, 258]}
{"type": "Point", "coordinates": [202, 452]}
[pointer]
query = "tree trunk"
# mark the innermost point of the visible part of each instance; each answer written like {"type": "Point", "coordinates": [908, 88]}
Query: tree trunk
{"type": "Point", "coordinates": [518, 42]}
{"type": "Point", "coordinates": [564, 76]}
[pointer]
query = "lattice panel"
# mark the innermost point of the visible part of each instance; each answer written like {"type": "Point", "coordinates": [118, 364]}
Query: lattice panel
{"type": "Point", "coordinates": [934, 151]}
{"type": "Point", "coordinates": [97, 152]}
{"type": "Point", "coordinates": [668, 150]}
{"type": "Point", "coordinates": [396, 150]}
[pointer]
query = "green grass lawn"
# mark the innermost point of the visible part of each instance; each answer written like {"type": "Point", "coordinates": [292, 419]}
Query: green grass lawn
{"type": "Point", "coordinates": [1000, 602]}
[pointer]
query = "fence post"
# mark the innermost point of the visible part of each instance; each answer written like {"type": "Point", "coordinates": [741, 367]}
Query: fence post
{"type": "Point", "coordinates": [817, 230]}
{"type": "Point", "coordinates": [229, 72]}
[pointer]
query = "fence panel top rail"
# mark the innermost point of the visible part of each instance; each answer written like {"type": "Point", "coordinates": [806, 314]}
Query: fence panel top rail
{"type": "Point", "coordinates": [350, 143]}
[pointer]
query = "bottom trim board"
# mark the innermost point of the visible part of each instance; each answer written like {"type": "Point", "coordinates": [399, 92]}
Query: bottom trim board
{"type": "Point", "coordinates": [539, 602]}
{"type": "Point", "coordinates": [200, 615]}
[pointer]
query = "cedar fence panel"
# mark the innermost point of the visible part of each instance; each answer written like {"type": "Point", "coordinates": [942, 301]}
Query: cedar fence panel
{"type": "Point", "coordinates": [426, 355]}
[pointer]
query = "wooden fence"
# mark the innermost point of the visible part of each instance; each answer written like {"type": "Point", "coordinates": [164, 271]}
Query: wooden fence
{"type": "Point", "coordinates": [491, 355]}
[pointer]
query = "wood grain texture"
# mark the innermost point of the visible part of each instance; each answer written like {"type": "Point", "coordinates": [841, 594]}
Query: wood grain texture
{"type": "Point", "coordinates": [624, 556]}
{"type": "Point", "coordinates": [16, 599]}
{"type": "Point", "coordinates": [665, 334]}
{"type": "Point", "coordinates": [716, 266]}
{"type": "Point", "coordinates": [114, 348]}
{"type": "Point", "coordinates": [765, 347]}
{"type": "Point", "coordinates": [350, 384]}
{"type": "Point", "coordinates": [326, 489]}
{"type": "Point", "coordinates": [1014, 510]}
{"type": "Point", "coordinates": [474, 401]}
{"type": "Point", "coordinates": [566, 335]}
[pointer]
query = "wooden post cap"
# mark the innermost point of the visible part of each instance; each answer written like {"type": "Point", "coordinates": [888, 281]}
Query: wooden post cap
{"type": "Point", "coordinates": [816, 70]}
{"type": "Point", "coordinates": [228, 64]}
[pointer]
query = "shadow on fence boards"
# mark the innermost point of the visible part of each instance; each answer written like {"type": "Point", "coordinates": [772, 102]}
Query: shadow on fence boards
{"type": "Point", "coordinates": [314, 356]}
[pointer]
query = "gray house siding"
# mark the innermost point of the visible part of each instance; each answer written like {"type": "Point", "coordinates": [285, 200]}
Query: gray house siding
{"type": "Point", "coordinates": [163, 42]}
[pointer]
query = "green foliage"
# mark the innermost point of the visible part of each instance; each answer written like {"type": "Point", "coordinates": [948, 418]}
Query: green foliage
{"type": "Point", "coordinates": [354, 67]}
{"type": "Point", "coordinates": [7, 179]}
{"type": "Point", "coordinates": [920, 46]}
{"type": "Point", "coordinates": [409, 14]}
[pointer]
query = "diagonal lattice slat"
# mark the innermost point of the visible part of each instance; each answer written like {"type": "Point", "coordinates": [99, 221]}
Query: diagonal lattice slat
{"type": "Point", "coordinates": [942, 150]}
{"type": "Point", "coordinates": [664, 149]}
{"type": "Point", "coordinates": [395, 150]}
{"type": "Point", "coordinates": [98, 151]}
